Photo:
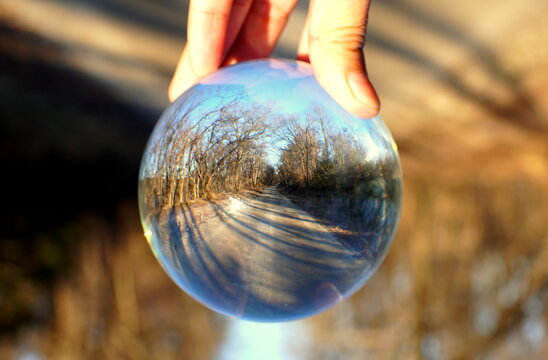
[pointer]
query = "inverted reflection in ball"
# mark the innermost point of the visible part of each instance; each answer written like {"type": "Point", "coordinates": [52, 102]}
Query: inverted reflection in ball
{"type": "Point", "coordinates": [265, 200]}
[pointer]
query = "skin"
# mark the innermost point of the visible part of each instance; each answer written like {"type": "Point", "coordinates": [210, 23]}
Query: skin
{"type": "Point", "coordinates": [224, 32]}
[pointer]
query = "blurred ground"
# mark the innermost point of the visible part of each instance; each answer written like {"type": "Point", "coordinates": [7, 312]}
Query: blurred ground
{"type": "Point", "coordinates": [465, 92]}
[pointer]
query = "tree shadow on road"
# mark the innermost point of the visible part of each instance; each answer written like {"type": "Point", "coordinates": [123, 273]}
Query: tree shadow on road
{"type": "Point", "coordinates": [255, 265]}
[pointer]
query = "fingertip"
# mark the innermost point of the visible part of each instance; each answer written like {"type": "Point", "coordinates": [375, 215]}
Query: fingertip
{"type": "Point", "coordinates": [359, 109]}
{"type": "Point", "coordinates": [350, 88]}
{"type": "Point", "coordinates": [173, 92]}
{"type": "Point", "coordinates": [364, 112]}
{"type": "Point", "coordinates": [362, 90]}
{"type": "Point", "coordinates": [183, 78]}
{"type": "Point", "coordinates": [367, 103]}
{"type": "Point", "coordinates": [178, 83]}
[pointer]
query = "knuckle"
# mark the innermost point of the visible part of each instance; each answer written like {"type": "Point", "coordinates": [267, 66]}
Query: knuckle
{"type": "Point", "coordinates": [351, 38]}
{"type": "Point", "coordinates": [210, 12]}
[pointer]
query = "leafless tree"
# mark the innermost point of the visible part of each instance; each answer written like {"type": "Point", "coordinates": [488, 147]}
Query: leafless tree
{"type": "Point", "coordinates": [203, 150]}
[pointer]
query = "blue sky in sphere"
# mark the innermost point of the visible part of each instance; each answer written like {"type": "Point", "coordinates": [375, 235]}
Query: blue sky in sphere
{"type": "Point", "coordinates": [289, 88]}
{"type": "Point", "coordinates": [287, 84]}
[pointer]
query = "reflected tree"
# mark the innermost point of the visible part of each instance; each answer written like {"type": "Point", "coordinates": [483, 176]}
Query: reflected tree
{"type": "Point", "coordinates": [202, 154]}
{"type": "Point", "coordinates": [317, 158]}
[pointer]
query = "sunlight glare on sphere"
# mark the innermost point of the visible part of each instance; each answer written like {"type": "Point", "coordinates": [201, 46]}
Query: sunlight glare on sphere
{"type": "Point", "coordinates": [262, 198]}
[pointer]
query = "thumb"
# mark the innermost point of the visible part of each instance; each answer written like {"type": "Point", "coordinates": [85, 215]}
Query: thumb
{"type": "Point", "coordinates": [336, 36]}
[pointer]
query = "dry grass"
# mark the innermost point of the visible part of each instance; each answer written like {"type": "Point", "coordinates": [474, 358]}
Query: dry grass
{"type": "Point", "coordinates": [117, 303]}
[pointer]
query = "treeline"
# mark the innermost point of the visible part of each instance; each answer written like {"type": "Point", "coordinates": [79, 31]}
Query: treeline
{"type": "Point", "coordinates": [321, 158]}
{"type": "Point", "coordinates": [199, 154]}
{"type": "Point", "coordinates": [217, 146]}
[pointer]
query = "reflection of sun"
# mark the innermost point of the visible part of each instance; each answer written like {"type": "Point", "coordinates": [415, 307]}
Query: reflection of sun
{"type": "Point", "coordinates": [374, 150]}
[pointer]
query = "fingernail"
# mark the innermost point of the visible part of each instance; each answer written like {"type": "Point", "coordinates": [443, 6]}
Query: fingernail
{"type": "Point", "coordinates": [362, 91]}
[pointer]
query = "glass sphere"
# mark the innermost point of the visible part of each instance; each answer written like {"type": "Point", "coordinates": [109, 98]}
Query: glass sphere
{"type": "Point", "coordinates": [262, 198]}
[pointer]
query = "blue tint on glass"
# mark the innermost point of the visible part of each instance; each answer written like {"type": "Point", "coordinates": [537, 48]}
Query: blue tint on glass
{"type": "Point", "coordinates": [262, 198]}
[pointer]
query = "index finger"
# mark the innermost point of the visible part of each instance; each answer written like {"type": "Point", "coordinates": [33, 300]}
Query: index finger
{"type": "Point", "coordinates": [207, 25]}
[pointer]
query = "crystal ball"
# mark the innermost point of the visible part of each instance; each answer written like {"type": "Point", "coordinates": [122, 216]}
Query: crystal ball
{"type": "Point", "coordinates": [262, 198]}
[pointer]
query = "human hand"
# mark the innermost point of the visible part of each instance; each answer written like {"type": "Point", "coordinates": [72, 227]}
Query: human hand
{"type": "Point", "coordinates": [224, 32]}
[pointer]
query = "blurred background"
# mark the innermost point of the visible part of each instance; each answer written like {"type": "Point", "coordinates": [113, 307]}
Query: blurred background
{"type": "Point", "coordinates": [464, 87]}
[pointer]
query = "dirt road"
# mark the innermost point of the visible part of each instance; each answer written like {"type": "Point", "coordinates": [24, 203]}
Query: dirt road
{"type": "Point", "coordinates": [263, 252]}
